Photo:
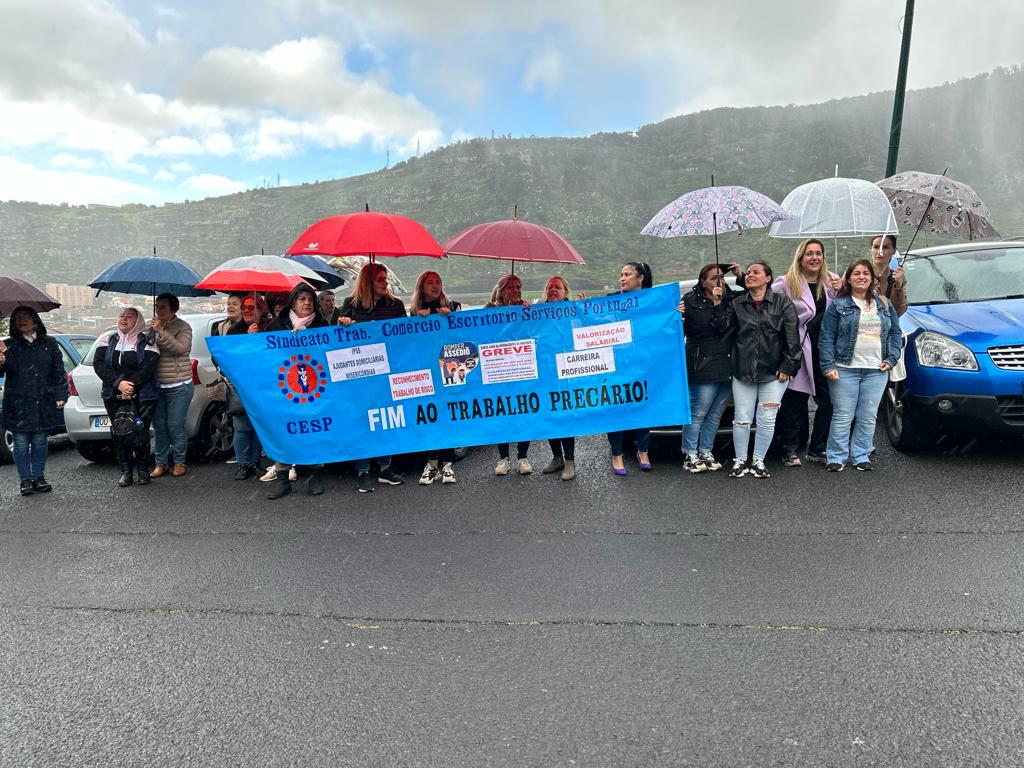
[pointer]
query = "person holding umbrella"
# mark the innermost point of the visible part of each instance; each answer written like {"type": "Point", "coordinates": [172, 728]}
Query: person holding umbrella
{"type": "Point", "coordinates": [34, 390]}
{"type": "Point", "coordinates": [508, 292]}
{"type": "Point", "coordinates": [892, 282]}
{"type": "Point", "coordinates": [372, 300]}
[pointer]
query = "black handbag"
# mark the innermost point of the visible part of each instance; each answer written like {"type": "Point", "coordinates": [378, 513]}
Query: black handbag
{"type": "Point", "coordinates": [125, 420]}
{"type": "Point", "coordinates": [233, 403]}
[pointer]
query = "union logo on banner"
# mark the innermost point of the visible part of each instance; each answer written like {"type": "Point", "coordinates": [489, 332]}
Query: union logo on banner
{"type": "Point", "coordinates": [301, 379]}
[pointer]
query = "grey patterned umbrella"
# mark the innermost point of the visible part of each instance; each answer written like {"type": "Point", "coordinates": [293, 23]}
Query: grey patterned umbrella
{"type": "Point", "coordinates": [935, 203]}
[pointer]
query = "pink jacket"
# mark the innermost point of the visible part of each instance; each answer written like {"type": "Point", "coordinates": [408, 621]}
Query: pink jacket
{"type": "Point", "coordinates": [804, 305]}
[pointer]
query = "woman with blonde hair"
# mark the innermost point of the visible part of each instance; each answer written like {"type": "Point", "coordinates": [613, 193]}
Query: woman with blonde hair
{"type": "Point", "coordinates": [811, 288]}
{"type": "Point", "coordinates": [563, 449]}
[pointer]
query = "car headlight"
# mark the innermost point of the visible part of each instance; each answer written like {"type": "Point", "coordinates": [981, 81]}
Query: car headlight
{"type": "Point", "coordinates": [937, 351]}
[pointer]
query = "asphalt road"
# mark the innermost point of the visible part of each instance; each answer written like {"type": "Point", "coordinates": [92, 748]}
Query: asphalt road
{"type": "Point", "coordinates": [660, 619]}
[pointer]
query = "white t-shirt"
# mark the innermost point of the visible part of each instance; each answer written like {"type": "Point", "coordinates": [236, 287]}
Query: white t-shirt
{"type": "Point", "coordinates": [867, 351]}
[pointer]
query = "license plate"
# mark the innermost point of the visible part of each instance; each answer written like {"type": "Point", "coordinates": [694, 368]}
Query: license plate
{"type": "Point", "coordinates": [101, 422]}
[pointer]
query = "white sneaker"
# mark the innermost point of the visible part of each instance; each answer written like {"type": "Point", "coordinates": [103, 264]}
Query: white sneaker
{"type": "Point", "coordinates": [429, 475]}
{"type": "Point", "coordinates": [524, 467]}
{"type": "Point", "coordinates": [293, 475]}
{"type": "Point", "coordinates": [503, 467]}
{"type": "Point", "coordinates": [447, 473]}
{"type": "Point", "coordinates": [270, 474]}
{"type": "Point", "coordinates": [709, 461]}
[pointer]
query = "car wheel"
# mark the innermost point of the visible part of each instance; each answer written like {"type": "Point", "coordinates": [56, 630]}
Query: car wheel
{"type": "Point", "coordinates": [7, 447]}
{"type": "Point", "coordinates": [215, 438]}
{"type": "Point", "coordinates": [905, 429]}
{"type": "Point", "coordinates": [99, 451]}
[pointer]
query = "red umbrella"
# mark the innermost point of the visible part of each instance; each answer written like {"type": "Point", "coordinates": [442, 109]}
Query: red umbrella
{"type": "Point", "coordinates": [16, 293]}
{"type": "Point", "coordinates": [367, 233]}
{"type": "Point", "coordinates": [513, 240]}
{"type": "Point", "coordinates": [241, 280]}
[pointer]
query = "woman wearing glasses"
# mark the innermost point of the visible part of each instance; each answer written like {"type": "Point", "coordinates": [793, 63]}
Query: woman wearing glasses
{"type": "Point", "coordinates": [892, 282]}
{"type": "Point", "coordinates": [634, 276]}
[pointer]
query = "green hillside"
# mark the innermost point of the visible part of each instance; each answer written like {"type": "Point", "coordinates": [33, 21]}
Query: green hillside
{"type": "Point", "coordinates": [598, 191]}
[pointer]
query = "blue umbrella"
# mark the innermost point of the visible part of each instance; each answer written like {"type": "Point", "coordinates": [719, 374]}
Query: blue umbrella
{"type": "Point", "coordinates": [149, 276]}
{"type": "Point", "coordinates": [331, 278]}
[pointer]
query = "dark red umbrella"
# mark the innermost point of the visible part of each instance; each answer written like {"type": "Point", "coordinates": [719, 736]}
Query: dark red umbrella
{"type": "Point", "coordinates": [16, 293]}
{"type": "Point", "coordinates": [513, 240]}
{"type": "Point", "coordinates": [367, 233]}
{"type": "Point", "coordinates": [244, 280]}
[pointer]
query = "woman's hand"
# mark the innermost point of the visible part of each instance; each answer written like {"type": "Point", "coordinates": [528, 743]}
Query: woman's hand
{"type": "Point", "coordinates": [782, 376]}
{"type": "Point", "coordinates": [681, 309]}
{"type": "Point", "coordinates": [884, 367]}
{"type": "Point", "coordinates": [899, 277]}
{"type": "Point", "coordinates": [442, 310]}
{"type": "Point", "coordinates": [60, 403]}
{"type": "Point", "coordinates": [837, 282]}
{"type": "Point", "coordinates": [423, 312]}
{"type": "Point", "coordinates": [346, 321]}
{"type": "Point", "coordinates": [254, 328]}
{"type": "Point", "coordinates": [126, 388]}
{"type": "Point", "coordinates": [832, 375]}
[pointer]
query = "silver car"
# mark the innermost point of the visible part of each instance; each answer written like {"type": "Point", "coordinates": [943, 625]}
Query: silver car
{"type": "Point", "coordinates": [209, 429]}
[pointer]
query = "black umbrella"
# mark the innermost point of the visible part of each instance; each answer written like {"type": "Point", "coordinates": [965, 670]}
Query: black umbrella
{"type": "Point", "coordinates": [16, 293]}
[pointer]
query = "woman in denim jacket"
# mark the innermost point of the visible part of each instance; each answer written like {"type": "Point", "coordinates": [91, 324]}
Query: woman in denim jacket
{"type": "Point", "coordinates": [860, 343]}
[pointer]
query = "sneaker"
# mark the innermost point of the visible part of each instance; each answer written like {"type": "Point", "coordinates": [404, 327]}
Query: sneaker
{"type": "Point", "coordinates": [693, 464]}
{"type": "Point", "coordinates": [39, 485]}
{"type": "Point", "coordinates": [758, 469]}
{"type": "Point", "coordinates": [709, 461]}
{"type": "Point", "coordinates": [389, 476]}
{"type": "Point", "coordinates": [26, 488]}
{"type": "Point", "coordinates": [293, 474]}
{"type": "Point", "coordinates": [739, 468]}
{"type": "Point", "coordinates": [833, 466]}
{"type": "Point", "coordinates": [245, 471]}
{"type": "Point", "coordinates": [366, 484]}
{"type": "Point", "coordinates": [524, 467]}
{"type": "Point", "coordinates": [447, 473]}
{"type": "Point", "coordinates": [429, 475]}
{"type": "Point", "coordinates": [232, 460]}
{"type": "Point", "coordinates": [817, 458]}
{"type": "Point", "coordinates": [503, 467]}
{"type": "Point", "coordinates": [269, 475]}
{"type": "Point", "coordinates": [792, 460]}
{"type": "Point", "coordinates": [863, 466]}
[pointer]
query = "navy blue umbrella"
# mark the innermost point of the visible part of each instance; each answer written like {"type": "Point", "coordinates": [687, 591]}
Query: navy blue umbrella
{"type": "Point", "coordinates": [149, 276]}
{"type": "Point", "coordinates": [326, 271]}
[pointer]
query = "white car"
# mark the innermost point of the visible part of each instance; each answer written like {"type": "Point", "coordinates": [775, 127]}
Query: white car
{"type": "Point", "coordinates": [209, 429]}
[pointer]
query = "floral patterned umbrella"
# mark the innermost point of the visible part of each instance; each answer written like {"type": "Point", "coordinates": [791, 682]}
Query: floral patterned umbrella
{"type": "Point", "coordinates": [712, 210]}
{"type": "Point", "coordinates": [938, 204]}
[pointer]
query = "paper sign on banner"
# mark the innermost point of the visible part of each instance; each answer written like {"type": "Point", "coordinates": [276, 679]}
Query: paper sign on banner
{"type": "Point", "coordinates": [604, 335]}
{"type": "Point", "coordinates": [411, 384]}
{"type": "Point", "coordinates": [358, 362]}
{"type": "Point", "coordinates": [592, 362]}
{"type": "Point", "coordinates": [508, 361]}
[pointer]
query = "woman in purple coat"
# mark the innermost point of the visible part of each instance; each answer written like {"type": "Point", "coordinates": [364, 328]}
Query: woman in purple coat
{"type": "Point", "coordinates": [811, 288]}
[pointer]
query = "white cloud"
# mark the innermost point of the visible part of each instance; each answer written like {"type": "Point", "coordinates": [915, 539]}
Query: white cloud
{"type": "Point", "coordinates": [21, 181]}
{"type": "Point", "coordinates": [181, 167]}
{"type": "Point", "coordinates": [64, 160]}
{"type": "Point", "coordinates": [544, 71]}
{"type": "Point", "coordinates": [164, 175]}
{"type": "Point", "coordinates": [211, 185]}
{"type": "Point", "coordinates": [176, 145]}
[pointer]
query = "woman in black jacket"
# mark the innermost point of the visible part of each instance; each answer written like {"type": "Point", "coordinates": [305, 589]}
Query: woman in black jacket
{"type": "Point", "coordinates": [302, 311]}
{"type": "Point", "coordinates": [34, 392]}
{"type": "Point", "coordinates": [709, 329]}
{"type": "Point", "coordinates": [765, 356]}
{"type": "Point", "coordinates": [126, 365]}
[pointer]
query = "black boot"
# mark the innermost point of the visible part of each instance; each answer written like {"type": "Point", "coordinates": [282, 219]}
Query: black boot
{"type": "Point", "coordinates": [314, 485]}
{"type": "Point", "coordinates": [142, 470]}
{"type": "Point", "coordinates": [280, 486]}
{"type": "Point", "coordinates": [126, 475]}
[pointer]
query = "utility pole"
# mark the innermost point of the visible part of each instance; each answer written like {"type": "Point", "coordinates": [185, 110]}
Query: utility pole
{"type": "Point", "coordinates": [387, 160]}
{"type": "Point", "coordinates": [901, 89]}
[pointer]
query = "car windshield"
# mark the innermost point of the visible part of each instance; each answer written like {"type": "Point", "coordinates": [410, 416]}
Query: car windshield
{"type": "Point", "coordinates": [979, 275]}
{"type": "Point", "coordinates": [82, 346]}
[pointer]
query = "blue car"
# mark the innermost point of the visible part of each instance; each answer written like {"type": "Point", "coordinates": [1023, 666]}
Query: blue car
{"type": "Point", "coordinates": [73, 347]}
{"type": "Point", "coordinates": [964, 351]}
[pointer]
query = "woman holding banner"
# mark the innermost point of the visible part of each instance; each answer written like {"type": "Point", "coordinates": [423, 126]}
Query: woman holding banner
{"type": "Point", "coordinates": [301, 311]}
{"type": "Point", "coordinates": [372, 299]}
{"type": "Point", "coordinates": [508, 292]}
{"type": "Point", "coordinates": [634, 276]}
{"type": "Point", "coordinates": [563, 449]}
{"type": "Point", "coordinates": [765, 356]}
{"type": "Point", "coordinates": [428, 298]}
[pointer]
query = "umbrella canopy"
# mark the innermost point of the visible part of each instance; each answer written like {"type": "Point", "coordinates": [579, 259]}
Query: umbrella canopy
{"type": "Point", "coordinates": [260, 273]}
{"type": "Point", "coordinates": [513, 240]}
{"type": "Point", "coordinates": [936, 203]}
{"type": "Point", "coordinates": [15, 293]}
{"type": "Point", "coordinates": [367, 233]}
{"type": "Point", "coordinates": [331, 277]}
{"type": "Point", "coordinates": [836, 207]}
{"type": "Point", "coordinates": [149, 276]}
{"type": "Point", "coordinates": [712, 210]}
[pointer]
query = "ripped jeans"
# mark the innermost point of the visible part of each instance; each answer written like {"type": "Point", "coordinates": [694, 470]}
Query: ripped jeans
{"type": "Point", "coordinates": [765, 399]}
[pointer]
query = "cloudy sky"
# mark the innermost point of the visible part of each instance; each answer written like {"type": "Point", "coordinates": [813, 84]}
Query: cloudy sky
{"type": "Point", "coordinates": [117, 101]}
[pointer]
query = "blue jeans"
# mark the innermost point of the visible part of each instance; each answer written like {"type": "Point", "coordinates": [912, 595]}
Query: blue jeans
{"type": "Point", "coordinates": [363, 465]}
{"type": "Point", "coordinates": [169, 423]}
{"type": "Point", "coordinates": [746, 398]}
{"type": "Point", "coordinates": [247, 443]}
{"type": "Point", "coordinates": [30, 454]}
{"type": "Point", "coordinates": [855, 396]}
{"type": "Point", "coordinates": [642, 438]}
{"type": "Point", "coordinates": [707, 402]}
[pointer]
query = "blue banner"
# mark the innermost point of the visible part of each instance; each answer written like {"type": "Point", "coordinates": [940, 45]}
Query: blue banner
{"type": "Point", "coordinates": [468, 378]}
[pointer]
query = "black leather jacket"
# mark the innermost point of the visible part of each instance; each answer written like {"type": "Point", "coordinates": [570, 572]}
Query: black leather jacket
{"type": "Point", "coordinates": [766, 340]}
{"type": "Point", "coordinates": [709, 330]}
